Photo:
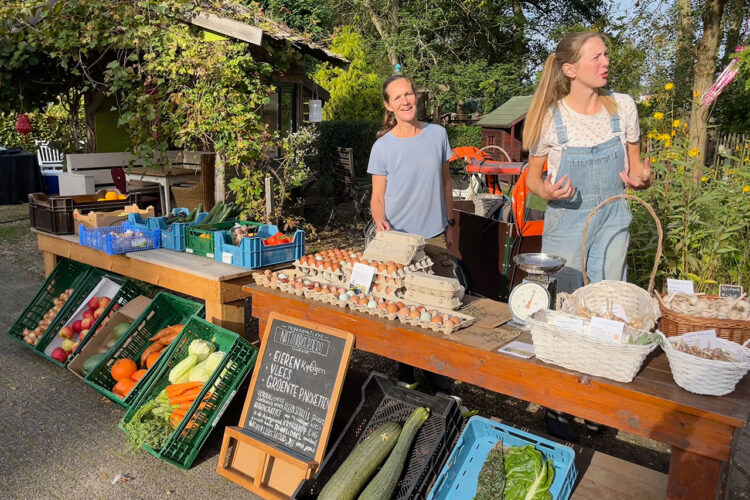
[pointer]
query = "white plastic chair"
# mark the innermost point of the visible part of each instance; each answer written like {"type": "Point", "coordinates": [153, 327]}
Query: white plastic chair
{"type": "Point", "coordinates": [50, 160]}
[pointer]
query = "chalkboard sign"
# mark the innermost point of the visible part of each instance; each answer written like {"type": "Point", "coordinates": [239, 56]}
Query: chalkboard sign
{"type": "Point", "coordinates": [296, 385]}
{"type": "Point", "coordinates": [732, 291]}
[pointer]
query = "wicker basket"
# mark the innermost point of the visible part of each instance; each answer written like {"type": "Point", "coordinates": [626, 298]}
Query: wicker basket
{"type": "Point", "coordinates": [707, 376]}
{"type": "Point", "coordinates": [598, 298]}
{"type": "Point", "coordinates": [676, 323]}
{"type": "Point", "coordinates": [583, 353]}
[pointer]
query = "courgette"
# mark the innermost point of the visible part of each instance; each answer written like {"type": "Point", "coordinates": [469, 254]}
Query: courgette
{"type": "Point", "coordinates": [383, 485]}
{"type": "Point", "coordinates": [213, 213]}
{"type": "Point", "coordinates": [352, 475]}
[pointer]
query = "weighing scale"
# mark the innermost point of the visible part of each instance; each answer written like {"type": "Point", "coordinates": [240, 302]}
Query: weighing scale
{"type": "Point", "coordinates": [538, 289]}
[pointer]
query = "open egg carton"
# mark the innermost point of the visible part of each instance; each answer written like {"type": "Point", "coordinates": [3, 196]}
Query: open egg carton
{"type": "Point", "coordinates": [394, 270]}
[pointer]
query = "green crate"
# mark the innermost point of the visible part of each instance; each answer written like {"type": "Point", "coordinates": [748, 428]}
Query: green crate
{"type": "Point", "coordinates": [67, 274]}
{"type": "Point", "coordinates": [183, 445]}
{"type": "Point", "coordinates": [164, 310]}
{"type": "Point", "coordinates": [204, 246]}
{"type": "Point", "coordinates": [127, 292]}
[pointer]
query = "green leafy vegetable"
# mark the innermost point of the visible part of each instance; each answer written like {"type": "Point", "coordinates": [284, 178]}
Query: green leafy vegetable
{"type": "Point", "coordinates": [528, 475]}
{"type": "Point", "coordinates": [201, 349]}
{"type": "Point", "coordinates": [491, 481]}
{"type": "Point", "coordinates": [150, 425]}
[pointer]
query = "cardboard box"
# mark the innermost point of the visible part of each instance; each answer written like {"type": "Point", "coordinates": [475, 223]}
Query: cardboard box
{"type": "Point", "coordinates": [106, 219]}
{"type": "Point", "coordinates": [128, 312]}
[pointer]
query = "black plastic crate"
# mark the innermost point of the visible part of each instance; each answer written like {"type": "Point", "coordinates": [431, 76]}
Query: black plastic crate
{"type": "Point", "coordinates": [383, 401]}
{"type": "Point", "coordinates": [54, 214]}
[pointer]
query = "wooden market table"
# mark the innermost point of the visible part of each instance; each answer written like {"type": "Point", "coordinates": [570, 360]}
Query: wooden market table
{"type": "Point", "coordinates": [218, 284]}
{"type": "Point", "coordinates": [700, 429]}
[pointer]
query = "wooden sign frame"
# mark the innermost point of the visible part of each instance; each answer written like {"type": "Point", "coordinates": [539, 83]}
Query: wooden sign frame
{"type": "Point", "coordinates": [258, 465]}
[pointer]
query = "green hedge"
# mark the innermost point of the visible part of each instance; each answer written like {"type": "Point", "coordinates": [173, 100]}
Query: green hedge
{"type": "Point", "coordinates": [465, 135]}
{"type": "Point", "coordinates": [356, 134]}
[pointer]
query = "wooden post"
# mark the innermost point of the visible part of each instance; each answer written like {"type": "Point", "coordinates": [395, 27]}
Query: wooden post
{"type": "Point", "coordinates": [269, 199]}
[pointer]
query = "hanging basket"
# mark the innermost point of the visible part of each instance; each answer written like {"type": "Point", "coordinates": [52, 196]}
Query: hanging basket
{"type": "Point", "coordinates": [598, 299]}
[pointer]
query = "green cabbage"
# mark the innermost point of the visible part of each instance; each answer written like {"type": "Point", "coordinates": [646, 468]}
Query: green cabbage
{"type": "Point", "coordinates": [182, 368]}
{"type": "Point", "coordinates": [203, 370]}
{"type": "Point", "coordinates": [527, 475]}
{"type": "Point", "coordinates": [201, 349]}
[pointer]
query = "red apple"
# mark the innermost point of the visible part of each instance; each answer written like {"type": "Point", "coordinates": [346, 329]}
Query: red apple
{"type": "Point", "coordinates": [77, 326]}
{"type": "Point", "coordinates": [93, 303]}
{"type": "Point", "coordinates": [87, 322]}
{"type": "Point", "coordinates": [98, 312]}
{"type": "Point", "coordinates": [66, 332]}
{"type": "Point", "coordinates": [89, 313]}
{"type": "Point", "coordinates": [59, 355]}
{"type": "Point", "coordinates": [104, 301]}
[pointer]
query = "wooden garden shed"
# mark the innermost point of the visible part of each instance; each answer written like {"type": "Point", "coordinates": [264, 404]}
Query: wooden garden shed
{"type": "Point", "coordinates": [504, 126]}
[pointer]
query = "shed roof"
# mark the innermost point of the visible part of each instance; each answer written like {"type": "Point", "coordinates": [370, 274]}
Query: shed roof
{"type": "Point", "coordinates": [510, 113]}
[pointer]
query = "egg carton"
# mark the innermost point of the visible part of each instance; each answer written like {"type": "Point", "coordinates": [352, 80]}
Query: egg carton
{"type": "Point", "coordinates": [420, 263]}
{"type": "Point", "coordinates": [318, 273]}
{"type": "Point", "coordinates": [429, 282]}
{"type": "Point", "coordinates": [394, 295]}
{"type": "Point", "coordinates": [432, 300]}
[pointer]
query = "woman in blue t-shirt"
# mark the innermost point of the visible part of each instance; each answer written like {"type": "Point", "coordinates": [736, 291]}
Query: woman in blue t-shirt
{"type": "Point", "coordinates": [411, 184]}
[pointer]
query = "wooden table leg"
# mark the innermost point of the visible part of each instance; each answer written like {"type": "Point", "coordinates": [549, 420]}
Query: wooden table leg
{"type": "Point", "coordinates": [50, 261]}
{"type": "Point", "coordinates": [693, 476]}
{"type": "Point", "coordinates": [230, 315]}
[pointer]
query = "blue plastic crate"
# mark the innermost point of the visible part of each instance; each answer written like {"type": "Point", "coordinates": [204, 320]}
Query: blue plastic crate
{"type": "Point", "coordinates": [458, 479]}
{"type": "Point", "coordinates": [107, 240]}
{"type": "Point", "coordinates": [172, 235]}
{"type": "Point", "coordinates": [252, 253]}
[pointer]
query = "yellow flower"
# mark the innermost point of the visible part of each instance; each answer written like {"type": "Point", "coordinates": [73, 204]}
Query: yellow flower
{"type": "Point", "coordinates": [746, 189]}
{"type": "Point", "coordinates": [732, 172]}
{"type": "Point", "coordinates": [650, 135]}
{"type": "Point", "coordinates": [693, 152]}
{"type": "Point", "coordinates": [654, 159]}
{"type": "Point", "coordinates": [746, 160]}
{"type": "Point", "coordinates": [663, 137]}
{"type": "Point", "coordinates": [669, 86]}
{"type": "Point", "coordinates": [684, 125]}
{"type": "Point", "coordinates": [673, 133]}
{"type": "Point", "coordinates": [667, 143]}
{"type": "Point", "coordinates": [704, 178]}
{"type": "Point", "coordinates": [659, 115]}
{"type": "Point", "coordinates": [675, 123]}
{"type": "Point", "coordinates": [680, 169]}
{"type": "Point", "coordinates": [696, 94]}
{"type": "Point", "coordinates": [630, 191]}
{"type": "Point", "coordinates": [747, 145]}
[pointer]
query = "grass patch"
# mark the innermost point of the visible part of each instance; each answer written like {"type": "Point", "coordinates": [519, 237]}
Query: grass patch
{"type": "Point", "coordinates": [14, 233]}
{"type": "Point", "coordinates": [10, 213]}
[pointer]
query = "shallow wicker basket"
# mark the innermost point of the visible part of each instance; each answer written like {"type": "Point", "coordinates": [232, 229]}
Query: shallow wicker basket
{"type": "Point", "coordinates": [598, 298]}
{"type": "Point", "coordinates": [676, 323]}
{"type": "Point", "coordinates": [580, 352]}
{"type": "Point", "coordinates": [707, 376]}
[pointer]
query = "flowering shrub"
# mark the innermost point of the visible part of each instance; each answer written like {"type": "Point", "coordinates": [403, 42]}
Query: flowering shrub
{"type": "Point", "coordinates": [704, 211]}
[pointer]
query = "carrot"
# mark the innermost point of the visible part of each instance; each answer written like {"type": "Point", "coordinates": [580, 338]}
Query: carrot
{"type": "Point", "coordinates": [175, 419]}
{"type": "Point", "coordinates": [149, 350]}
{"type": "Point", "coordinates": [177, 389]}
{"type": "Point", "coordinates": [179, 412]}
{"type": "Point", "coordinates": [188, 404]}
{"type": "Point", "coordinates": [186, 396]}
{"type": "Point", "coordinates": [167, 330]}
{"type": "Point", "coordinates": [167, 339]}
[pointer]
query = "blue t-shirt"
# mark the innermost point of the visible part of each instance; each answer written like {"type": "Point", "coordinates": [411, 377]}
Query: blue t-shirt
{"type": "Point", "coordinates": [414, 199]}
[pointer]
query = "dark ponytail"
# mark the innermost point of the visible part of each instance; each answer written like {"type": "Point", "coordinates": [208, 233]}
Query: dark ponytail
{"type": "Point", "coordinates": [389, 120]}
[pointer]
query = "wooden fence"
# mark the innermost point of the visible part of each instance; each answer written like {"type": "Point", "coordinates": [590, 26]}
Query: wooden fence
{"type": "Point", "coordinates": [736, 145]}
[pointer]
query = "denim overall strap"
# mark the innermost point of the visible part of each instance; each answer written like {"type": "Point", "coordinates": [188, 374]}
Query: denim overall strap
{"type": "Point", "coordinates": [594, 173]}
{"type": "Point", "coordinates": [562, 132]}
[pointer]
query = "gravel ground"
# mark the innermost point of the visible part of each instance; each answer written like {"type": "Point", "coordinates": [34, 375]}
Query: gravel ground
{"type": "Point", "coordinates": [54, 424]}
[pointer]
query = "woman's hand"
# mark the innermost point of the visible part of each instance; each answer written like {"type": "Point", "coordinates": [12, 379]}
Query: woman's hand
{"type": "Point", "coordinates": [560, 190]}
{"type": "Point", "coordinates": [639, 177]}
{"type": "Point", "coordinates": [383, 225]}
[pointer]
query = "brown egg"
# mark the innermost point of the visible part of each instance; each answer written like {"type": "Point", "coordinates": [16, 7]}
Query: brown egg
{"type": "Point", "coordinates": [404, 311]}
{"type": "Point", "coordinates": [447, 321]}
{"type": "Point", "coordinates": [359, 254]}
{"type": "Point", "coordinates": [388, 279]}
{"type": "Point", "coordinates": [327, 265]}
{"type": "Point", "coordinates": [298, 285]}
{"type": "Point", "coordinates": [335, 267]}
{"type": "Point", "coordinates": [390, 268]}
{"type": "Point", "coordinates": [400, 304]}
{"type": "Point", "coordinates": [432, 312]}
{"type": "Point", "coordinates": [274, 278]}
{"type": "Point", "coordinates": [364, 261]}
{"type": "Point", "coordinates": [355, 260]}
{"type": "Point", "coordinates": [379, 287]}
{"type": "Point", "coordinates": [392, 308]}
{"type": "Point", "coordinates": [363, 301]}
{"type": "Point", "coordinates": [317, 288]}
{"type": "Point", "coordinates": [354, 299]}
{"type": "Point", "coordinates": [399, 266]}
{"type": "Point", "coordinates": [381, 268]}
{"type": "Point", "coordinates": [420, 308]}
{"type": "Point", "coordinates": [320, 264]}
{"type": "Point", "coordinates": [456, 321]}
{"type": "Point", "coordinates": [303, 260]}
{"type": "Point", "coordinates": [383, 305]}
{"type": "Point", "coordinates": [388, 290]}
{"type": "Point", "coordinates": [414, 314]}
{"type": "Point", "coordinates": [436, 319]}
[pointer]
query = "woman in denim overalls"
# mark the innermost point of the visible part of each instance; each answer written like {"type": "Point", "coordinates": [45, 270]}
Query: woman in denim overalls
{"type": "Point", "coordinates": [574, 77]}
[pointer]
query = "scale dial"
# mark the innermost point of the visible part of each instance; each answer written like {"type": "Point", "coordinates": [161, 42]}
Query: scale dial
{"type": "Point", "coordinates": [527, 298]}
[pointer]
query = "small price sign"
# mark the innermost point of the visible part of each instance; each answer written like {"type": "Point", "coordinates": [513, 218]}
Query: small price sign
{"type": "Point", "coordinates": [732, 291]}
